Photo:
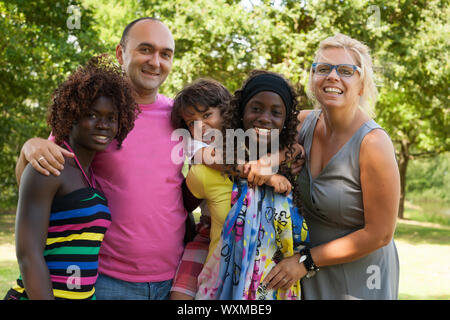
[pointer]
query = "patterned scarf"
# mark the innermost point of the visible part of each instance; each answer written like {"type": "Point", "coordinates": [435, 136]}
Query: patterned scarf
{"type": "Point", "coordinates": [261, 228]}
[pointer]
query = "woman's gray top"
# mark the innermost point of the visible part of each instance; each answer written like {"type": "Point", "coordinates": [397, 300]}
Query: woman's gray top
{"type": "Point", "coordinates": [333, 208]}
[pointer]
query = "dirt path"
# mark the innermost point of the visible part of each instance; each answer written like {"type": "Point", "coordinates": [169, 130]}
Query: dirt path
{"type": "Point", "coordinates": [424, 270]}
{"type": "Point", "coordinates": [7, 252]}
{"type": "Point", "coordinates": [424, 224]}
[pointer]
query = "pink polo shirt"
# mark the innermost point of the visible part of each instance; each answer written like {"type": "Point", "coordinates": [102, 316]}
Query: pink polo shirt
{"type": "Point", "coordinates": [143, 186]}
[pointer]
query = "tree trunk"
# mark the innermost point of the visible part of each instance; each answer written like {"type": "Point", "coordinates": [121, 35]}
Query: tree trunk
{"type": "Point", "coordinates": [403, 159]}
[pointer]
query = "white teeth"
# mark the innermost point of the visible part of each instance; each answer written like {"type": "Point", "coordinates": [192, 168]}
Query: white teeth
{"type": "Point", "coordinates": [262, 131]}
{"type": "Point", "coordinates": [336, 90]}
{"type": "Point", "coordinates": [149, 72]}
{"type": "Point", "coordinates": [101, 138]}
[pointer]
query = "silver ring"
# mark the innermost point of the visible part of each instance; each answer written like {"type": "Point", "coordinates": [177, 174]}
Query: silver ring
{"type": "Point", "coordinates": [41, 158]}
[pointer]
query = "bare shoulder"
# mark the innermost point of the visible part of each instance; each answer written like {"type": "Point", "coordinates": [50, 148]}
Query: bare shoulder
{"type": "Point", "coordinates": [303, 114]}
{"type": "Point", "coordinates": [376, 139]}
{"type": "Point", "coordinates": [377, 148]}
{"type": "Point", "coordinates": [32, 179]}
{"type": "Point", "coordinates": [301, 117]}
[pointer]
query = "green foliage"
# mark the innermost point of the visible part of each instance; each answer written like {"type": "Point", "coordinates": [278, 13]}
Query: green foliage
{"type": "Point", "coordinates": [414, 97]}
{"type": "Point", "coordinates": [37, 51]}
{"type": "Point", "coordinates": [225, 39]}
{"type": "Point", "coordinates": [422, 234]}
{"type": "Point", "coordinates": [428, 211]}
{"type": "Point", "coordinates": [429, 179]}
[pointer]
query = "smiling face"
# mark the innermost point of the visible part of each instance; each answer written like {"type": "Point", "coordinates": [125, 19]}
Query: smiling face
{"type": "Point", "coordinates": [333, 91]}
{"type": "Point", "coordinates": [202, 121]}
{"type": "Point", "coordinates": [147, 57]}
{"type": "Point", "coordinates": [263, 112]}
{"type": "Point", "coordinates": [97, 128]}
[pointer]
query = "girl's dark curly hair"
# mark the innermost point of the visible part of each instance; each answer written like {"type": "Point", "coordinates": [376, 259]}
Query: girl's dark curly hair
{"type": "Point", "coordinates": [201, 94]}
{"type": "Point", "coordinates": [74, 97]}
{"type": "Point", "coordinates": [288, 135]}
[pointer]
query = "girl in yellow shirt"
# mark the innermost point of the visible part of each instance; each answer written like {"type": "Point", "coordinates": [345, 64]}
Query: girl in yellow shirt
{"type": "Point", "coordinates": [262, 227]}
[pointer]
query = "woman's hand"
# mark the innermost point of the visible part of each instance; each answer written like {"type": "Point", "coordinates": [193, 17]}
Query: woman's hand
{"type": "Point", "coordinates": [298, 161]}
{"type": "Point", "coordinates": [285, 273]}
{"type": "Point", "coordinates": [280, 184]}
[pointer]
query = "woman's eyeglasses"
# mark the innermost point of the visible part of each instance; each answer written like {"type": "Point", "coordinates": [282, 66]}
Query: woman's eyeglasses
{"type": "Point", "coordinates": [343, 70]}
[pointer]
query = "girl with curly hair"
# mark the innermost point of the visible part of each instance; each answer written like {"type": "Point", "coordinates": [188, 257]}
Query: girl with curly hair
{"type": "Point", "coordinates": [61, 220]}
{"type": "Point", "coordinates": [253, 227]}
{"type": "Point", "coordinates": [199, 108]}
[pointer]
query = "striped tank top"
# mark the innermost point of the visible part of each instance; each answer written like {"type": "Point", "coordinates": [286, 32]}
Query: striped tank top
{"type": "Point", "coordinates": [78, 222]}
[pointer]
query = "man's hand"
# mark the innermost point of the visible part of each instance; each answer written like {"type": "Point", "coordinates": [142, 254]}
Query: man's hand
{"type": "Point", "coordinates": [44, 155]}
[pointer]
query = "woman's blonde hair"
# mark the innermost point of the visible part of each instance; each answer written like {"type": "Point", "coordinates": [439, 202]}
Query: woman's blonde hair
{"type": "Point", "coordinates": [363, 60]}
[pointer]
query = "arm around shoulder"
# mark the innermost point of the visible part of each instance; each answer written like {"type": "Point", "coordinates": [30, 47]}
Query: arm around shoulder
{"type": "Point", "coordinates": [44, 155]}
{"type": "Point", "coordinates": [195, 181]}
{"type": "Point", "coordinates": [20, 166]}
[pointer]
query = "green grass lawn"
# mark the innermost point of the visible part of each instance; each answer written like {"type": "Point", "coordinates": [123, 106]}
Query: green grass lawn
{"type": "Point", "coordinates": [7, 221]}
{"type": "Point", "coordinates": [9, 269]}
{"type": "Point", "coordinates": [424, 253]}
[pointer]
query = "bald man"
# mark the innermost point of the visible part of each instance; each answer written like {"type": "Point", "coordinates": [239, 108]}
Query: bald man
{"type": "Point", "coordinates": [143, 246]}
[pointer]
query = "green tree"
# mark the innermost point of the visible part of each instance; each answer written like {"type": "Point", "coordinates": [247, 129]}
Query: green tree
{"type": "Point", "coordinates": [414, 97]}
{"type": "Point", "coordinates": [410, 47]}
{"type": "Point", "coordinates": [212, 38]}
{"type": "Point", "coordinates": [429, 179]}
{"type": "Point", "coordinates": [40, 42]}
{"type": "Point", "coordinates": [224, 39]}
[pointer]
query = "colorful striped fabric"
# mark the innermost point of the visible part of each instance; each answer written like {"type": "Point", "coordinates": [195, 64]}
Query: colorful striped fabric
{"type": "Point", "coordinates": [78, 222]}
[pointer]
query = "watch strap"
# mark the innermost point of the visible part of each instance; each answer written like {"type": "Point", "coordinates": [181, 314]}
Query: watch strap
{"type": "Point", "coordinates": [308, 262]}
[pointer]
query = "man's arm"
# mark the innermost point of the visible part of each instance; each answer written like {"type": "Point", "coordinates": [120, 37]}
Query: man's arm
{"type": "Point", "coordinates": [44, 155]}
{"type": "Point", "coordinates": [190, 201]}
{"type": "Point", "coordinates": [20, 166]}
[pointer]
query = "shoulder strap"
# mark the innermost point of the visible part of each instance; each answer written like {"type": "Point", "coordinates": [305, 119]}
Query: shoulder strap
{"type": "Point", "coordinates": [91, 183]}
{"type": "Point", "coordinates": [309, 120]}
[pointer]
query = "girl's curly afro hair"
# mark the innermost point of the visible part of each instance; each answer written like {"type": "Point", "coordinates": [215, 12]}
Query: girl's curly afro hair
{"type": "Point", "coordinates": [74, 97]}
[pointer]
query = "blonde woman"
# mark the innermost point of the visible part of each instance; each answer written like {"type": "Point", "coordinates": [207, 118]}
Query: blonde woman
{"type": "Point", "coordinates": [350, 182]}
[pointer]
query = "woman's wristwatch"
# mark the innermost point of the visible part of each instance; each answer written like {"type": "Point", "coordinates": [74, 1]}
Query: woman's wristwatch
{"type": "Point", "coordinates": [306, 259]}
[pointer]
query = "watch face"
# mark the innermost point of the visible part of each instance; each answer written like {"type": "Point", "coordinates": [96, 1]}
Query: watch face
{"type": "Point", "coordinates": [302, 258]}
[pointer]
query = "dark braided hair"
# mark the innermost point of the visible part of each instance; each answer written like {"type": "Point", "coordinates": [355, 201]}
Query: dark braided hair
{"type": "Point", "coordinates": [74, 97]}
{"type": "Point", "coordinates": [232, 119]}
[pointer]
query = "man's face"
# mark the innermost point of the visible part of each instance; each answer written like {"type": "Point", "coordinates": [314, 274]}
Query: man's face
{"type": "Point", "coordinates": [148, 55]}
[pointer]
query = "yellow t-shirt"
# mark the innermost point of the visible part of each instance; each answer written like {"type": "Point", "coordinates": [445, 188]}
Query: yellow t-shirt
{"type": "Point", "coordinates": [210, 184]}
